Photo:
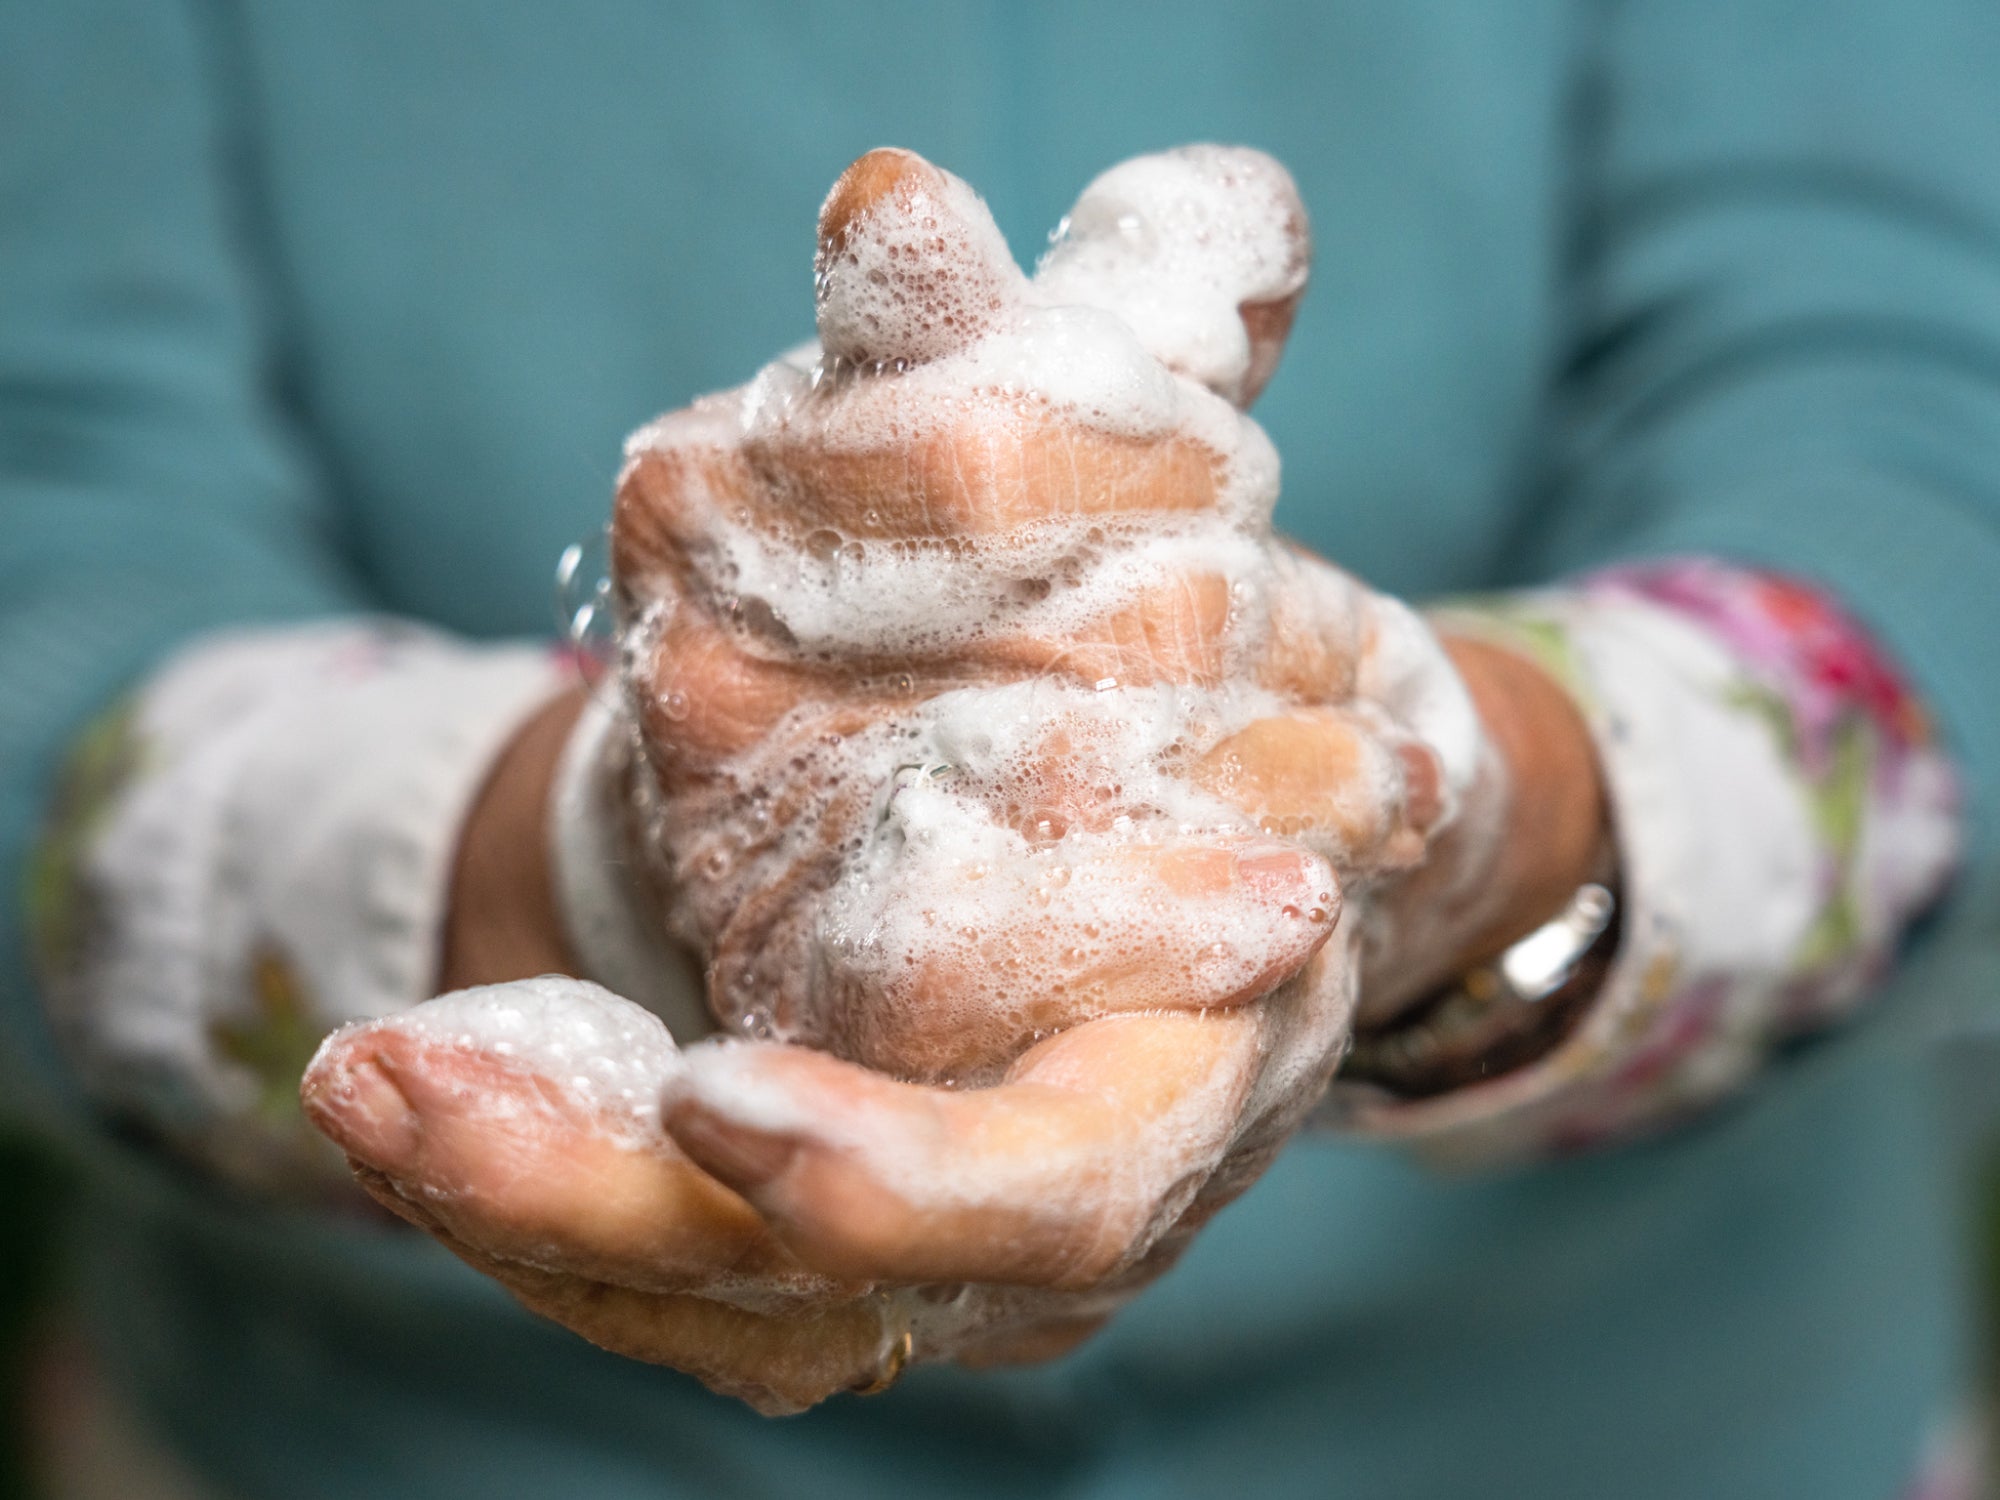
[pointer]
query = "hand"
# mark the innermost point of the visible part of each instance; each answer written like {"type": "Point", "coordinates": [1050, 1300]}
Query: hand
{"type": "Point", "coordinates": [1002, 764]}
{"type": "Point", "coordinates": [1532, 827]}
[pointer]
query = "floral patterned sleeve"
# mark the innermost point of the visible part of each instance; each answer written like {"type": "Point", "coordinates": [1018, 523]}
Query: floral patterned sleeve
{"type": "Point", "coordinates": [1782, 811]}
{"type": "Point", "coordinates": [255, 849]}
{"type": "Point", "coordinates": [252, 849]}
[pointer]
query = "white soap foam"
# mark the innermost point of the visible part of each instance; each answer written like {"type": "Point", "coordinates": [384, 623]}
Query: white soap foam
{"type": "Point", "coordinates": [1175, 244]}
{"type": "Point", "coordinates": [1022, 874]}
{"type": "Point", "coordinates": [918, 274]}
{"type": "Point", "coordinates": [842, 596]}
{"type": "Point", "coordinates": [933, 835]}
{"type": "Point", "coordinates": [1405, 670]}
{"type": "Point", "coordinates": [607, 1055]}
{"type": "Point", "coordinates": [991, 830]}
{"type": "Point", "coordinates": [1084, 362]}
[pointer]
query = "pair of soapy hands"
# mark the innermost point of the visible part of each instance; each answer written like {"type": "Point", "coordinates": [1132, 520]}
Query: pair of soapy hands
{"type": "Point", "coordinates": [1021, 898]}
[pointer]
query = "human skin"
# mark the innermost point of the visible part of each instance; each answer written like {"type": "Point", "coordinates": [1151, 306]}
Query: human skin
{"type": "Point", "coordinates": [631, 1215]}
{"type": "Point", "coordinates": [616, 1244]}
{"type": "Point", "coordinates": [502, 923]}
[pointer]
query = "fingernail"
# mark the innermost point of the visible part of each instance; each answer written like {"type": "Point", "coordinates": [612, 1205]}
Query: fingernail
{"type": "Point", "coordinates": [1423, 786]}
{"type": "Point", "coordinates": [743, 1158]}
{"type": "Point", "coordinates": [1275, 869]}
{"type": "Point", "coordinates": [360, 1108]}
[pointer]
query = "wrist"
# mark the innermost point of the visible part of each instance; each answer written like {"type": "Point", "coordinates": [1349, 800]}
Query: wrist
{"type": "Point", "coordinates": [1530, 829]}
{"type": "Point", "coordinates": [1553, 832]}
{"type": "Point", "coordinates": [1496, 1017]}
{"type": "Point", "coordinates": [503, 921]}
{"type": "Point", "coordinates": [1535, 835]}
{"type": "Point", "coordinates": [610, 886]}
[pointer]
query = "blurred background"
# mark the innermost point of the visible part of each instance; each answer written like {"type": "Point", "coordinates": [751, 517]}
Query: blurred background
{"type": "Point", "coordinates": [32, 1191]}
{"type": "Point", "coordinates": [37, 1401]}
{"type": "Point", "coordinates": [31, 1197]}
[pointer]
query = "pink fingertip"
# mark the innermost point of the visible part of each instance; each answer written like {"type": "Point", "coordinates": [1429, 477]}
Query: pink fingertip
{"type": "Point", "coordinates": [740, 1156]}
{"type": "Point", "coordinates": [1283, 872]}
{"type": "Point", "coordinates": [733, 1111]}
{"type": "Point", "coordinates": [356, 1104]}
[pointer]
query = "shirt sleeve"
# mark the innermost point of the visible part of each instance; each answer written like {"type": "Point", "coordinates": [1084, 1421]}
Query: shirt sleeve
{"type": "Point", "coordinates": [152, 483]}
{"type": "Point", "coordinates": [1785, 324]}
{"type": "Point", "coordinates": [1783, 369]}
{"type": "Point", "coordinates": [1782, 811]}
{"type": "Point", "coordinates": [252, 849]}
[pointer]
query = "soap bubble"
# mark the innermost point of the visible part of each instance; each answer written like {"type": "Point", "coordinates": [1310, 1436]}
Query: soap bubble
{"type": "Point", "coordinates": [585, 605]}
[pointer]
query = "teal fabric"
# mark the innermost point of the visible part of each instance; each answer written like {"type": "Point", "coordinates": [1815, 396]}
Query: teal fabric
{"type": "Point", "coordinates": [309, 308]}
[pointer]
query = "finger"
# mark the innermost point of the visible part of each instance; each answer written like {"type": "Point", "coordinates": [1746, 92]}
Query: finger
{"type": "Point", "coordinates": [1098, 1139]}
{"type": "Point", "coordinates": [1203, 251]}
{"type": "Point", "coordinates": [1174, 630]}
{"type": "Point", "coordinates": [884, 459]}
{"type": "Point", "coordinates": [896, 458]}
{"type": "Point", "coordinates": [961, 966]}
{"type": "Point", "coordinates": [677, 487]}
{"type": "Point", "coordinates": [1267, 324]}
{"type": "Point", "coordinates": [523, 1120]}
{"type": "Point", "coordinates": [711, 697]}
{"type": "Point", "coordinates": [910, 265]}
{"type": "Point", "coordinates": [1314, 627]}
{"type": "Point", "coordinates": [1101, 608]}
{"type": "Point", "coordinates": [778, 1363]}
{"type": "Point", "coordinates": [1333, 780]}
{"type": "Point", "coordinates": [715, 690]}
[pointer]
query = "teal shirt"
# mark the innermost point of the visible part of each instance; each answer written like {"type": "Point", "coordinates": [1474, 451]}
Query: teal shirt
{"type": "Point", "coordinates": [308, 308]}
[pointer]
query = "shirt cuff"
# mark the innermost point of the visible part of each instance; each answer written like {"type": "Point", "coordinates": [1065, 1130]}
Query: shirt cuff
{"type": "Point", "coordinates": [256, 848]}
{"type": "Point", "coordinates": [1782, 811]}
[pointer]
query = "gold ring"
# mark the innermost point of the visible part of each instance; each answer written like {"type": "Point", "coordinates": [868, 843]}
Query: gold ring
{"type": "Point", "coordinates": [893, 1365]}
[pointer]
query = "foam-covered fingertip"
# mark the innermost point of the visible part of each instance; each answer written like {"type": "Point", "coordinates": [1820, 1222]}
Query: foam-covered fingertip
{"type": "Point", "coordinates": [866, 183]}
{"type": "Point", "coordinates": [1203, 250]}
{"type": "Point", "coordinates": [733, 1114]}
{"type": "Point", "coordinates": [1286, 872]}
{"type": "Point", "coordinates": [911, 265]}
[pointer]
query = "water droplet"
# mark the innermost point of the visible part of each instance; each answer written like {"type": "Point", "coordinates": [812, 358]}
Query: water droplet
{"type": "Point", "coordinates": [586, 611]}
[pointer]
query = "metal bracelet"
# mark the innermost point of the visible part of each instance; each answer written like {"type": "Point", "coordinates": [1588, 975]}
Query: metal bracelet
{"type": "Point", "coordinates": [1542, 962]}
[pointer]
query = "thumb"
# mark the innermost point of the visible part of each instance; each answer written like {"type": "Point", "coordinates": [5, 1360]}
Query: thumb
{"type": "Point", "coordinates": [1204, 251]}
